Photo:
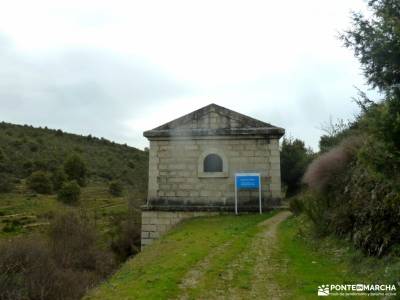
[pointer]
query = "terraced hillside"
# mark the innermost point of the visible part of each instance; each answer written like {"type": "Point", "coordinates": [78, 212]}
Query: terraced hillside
{"type": "Point", "coordinates": [25, 150]}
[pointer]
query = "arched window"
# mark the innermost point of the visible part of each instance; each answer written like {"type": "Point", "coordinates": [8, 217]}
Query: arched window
{"type": "Point", "coordinates": [212, 163]}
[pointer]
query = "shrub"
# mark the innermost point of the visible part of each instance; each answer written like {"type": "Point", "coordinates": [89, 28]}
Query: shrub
{"type": "Point", "coordinates": [2, 155]}
{"type": "Point", "coordinates": [33, 147]}
{"type": "Point", "coordinates": [58, 178]}
{"type": "Point", "coordinates": [63, 266]}
{"type": "Point", "coordinates": [352, 200]}
{"type": "Point", "coordinates": [324, 169]}
{"type": "Point", "coordinates": [40, 182]}
{"type": "Point", "coordinates": [116, 188]}
{"type": "Point", "coordinates": [6, 183]}
{"type": "Point", "coordinates": [126, 240]}
{"type": "Point", "coordinates": [26, 269]}
{"type": "Point", "coordinates": [296, 205]}
{"type": "Point", "coordinates": [27, 168]}
{"type": "Point", "coordinates": [69, 192]}
{"type": "Point", "coordinates": [40, 165]}
{"type": "Point", "coordinates": [73, 244]}
{"type": "Point", "coordinates": [12, 226]}
{"type": "Point", "coordinates": [294, 160]}
{"type": "Point", "coordinates": [75, 168]}
{"type": "Point", "coordinates": [316, 207]}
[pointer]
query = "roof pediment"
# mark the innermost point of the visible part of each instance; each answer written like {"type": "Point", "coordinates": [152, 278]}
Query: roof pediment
{"type": "Point", "coordinates": [214, 120]}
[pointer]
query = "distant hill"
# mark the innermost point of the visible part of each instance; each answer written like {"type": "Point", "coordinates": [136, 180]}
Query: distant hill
{"type": "Point", "coordinates": [25, 149]}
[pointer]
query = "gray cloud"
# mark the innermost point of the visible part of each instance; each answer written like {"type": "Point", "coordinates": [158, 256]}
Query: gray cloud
{"type": "Point", "coordinates": [83, 91]}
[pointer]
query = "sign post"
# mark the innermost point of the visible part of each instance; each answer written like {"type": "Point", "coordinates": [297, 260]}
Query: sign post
{"type": "Point", "coordinates": [247, 181]}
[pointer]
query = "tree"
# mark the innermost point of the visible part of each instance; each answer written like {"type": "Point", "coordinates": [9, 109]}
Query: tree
{"type": "Point", "coordinates": [75, 168]}
{"type": "Point", "coordinates": [375, 41]}
{"type": "Point", "coordinates": [58, 178]}
{"type": "Point", "coordinates": [40, 182]}
{"type": "Point", "coordinates": [294, 160]}
{"type": "Point", "coordinates": [116, 188]}
{"type": "Point", "coordinates": [69, 192]}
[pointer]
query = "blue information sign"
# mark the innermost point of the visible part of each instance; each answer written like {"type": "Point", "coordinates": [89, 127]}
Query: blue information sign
{"type": "Point", "coordinates": [247, 181]}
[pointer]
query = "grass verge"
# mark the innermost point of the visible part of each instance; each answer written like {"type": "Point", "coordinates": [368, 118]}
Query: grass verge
{"type": "Point", "coordinates": [315, 261]}
{"type": "Point", "coordinates": [157, 272]}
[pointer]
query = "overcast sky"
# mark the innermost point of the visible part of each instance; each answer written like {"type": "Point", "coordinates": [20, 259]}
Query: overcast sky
{"type": "Point", "coordinates": [116, 68]}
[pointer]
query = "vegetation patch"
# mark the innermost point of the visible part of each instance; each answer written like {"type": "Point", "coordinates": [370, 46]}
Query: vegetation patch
{"type": "Point", "coordinates": [157, 272]}
{"type": "Point", "coordinates": [313, 261]}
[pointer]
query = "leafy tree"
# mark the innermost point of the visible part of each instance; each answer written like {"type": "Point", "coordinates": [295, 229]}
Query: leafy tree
{"type": "Point", "coordinates": [69, 193]}
{"type": "Point", "coordinates": [335, 132]}
{"type": "Point", "coordinates": [58, 178]}
{"type": "Point", "coordinates": [116, 188]}
{"type": "Point", "coordinates": [361, 201]}
{"type": "Point", "coordinates": [375, 41]}
{"type": "Point", "coordinates": [40, 182]}
{"type": "Point", "coordinates": [294, 160]}
{"type": "Point", "coordinates": [75, 168]}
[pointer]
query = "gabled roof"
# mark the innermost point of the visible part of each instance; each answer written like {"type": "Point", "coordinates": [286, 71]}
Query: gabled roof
{"type": "Point", "coordinates": [214, 120]}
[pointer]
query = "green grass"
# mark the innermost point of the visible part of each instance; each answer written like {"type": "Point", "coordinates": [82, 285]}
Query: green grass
{"type": "Point", "coordinates": [24, 212]}
{"type": "Point", "coordinates": [314, 261]}
{"type": "Point", "coordinates": [157, 271]}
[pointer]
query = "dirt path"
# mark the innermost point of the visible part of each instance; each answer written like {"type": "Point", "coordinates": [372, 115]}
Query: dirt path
{"type": "Point", "coordinates": [257, 260]}
{"type": "Point", "coordinates": [263, 246]}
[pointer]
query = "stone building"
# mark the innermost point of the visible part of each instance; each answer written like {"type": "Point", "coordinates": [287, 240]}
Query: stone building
{"type": "Point", "coordinates": [193, 161]}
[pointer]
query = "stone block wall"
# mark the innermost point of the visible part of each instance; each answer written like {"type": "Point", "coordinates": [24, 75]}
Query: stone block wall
{"type": "Point", "coordinates": [157, 223]}
{"type": "Point", "coordinates": [174, 170]}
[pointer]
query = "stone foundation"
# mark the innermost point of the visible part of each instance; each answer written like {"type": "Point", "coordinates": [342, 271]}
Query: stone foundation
{"type": "Point", "coordinates": [157, 223]}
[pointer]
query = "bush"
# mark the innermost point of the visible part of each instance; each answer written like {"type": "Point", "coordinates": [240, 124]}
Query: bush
{"type": "Point", "coordinates": [27, 168]}
{"type": "Point", "coordinates": [58, 178]}
{"type": "Point", "coordinates": [27, 270]}
{"type": "Point", "coordinates": [33, 147]}
{"type": "Point", "coordinates": [352, 200]}
{"type": "Point", "coordinates": [126, 240]}
{"type": "Point", "coordinates": [296, 205]}
{"type": "Point", "coordinates": [40, 182]}
{"type": "Point", "coordinates": [73, 244]}
{"type": "Point", "coordinates": [116, 188]}
{"type": "Point", "coordinates": [294, 160]}
{"type": "Point", "coordinates": [6, 183]}
{"type": "Point", "coordinates": [75, 168]}
{"type": "Point", "coordinates": [63, 266]}
{"type": "Point", "coordinates": [69, 192]}
{"type": "Point", "coordinates": [12, 226]}
{"type": "Point", "coordinates": [325, 168]}
{"type": "Point", "coordinates": [2, 155]}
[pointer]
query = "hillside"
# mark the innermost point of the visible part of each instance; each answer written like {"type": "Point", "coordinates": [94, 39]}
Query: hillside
{"type": "Point", "coordinates": [25, 149]}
